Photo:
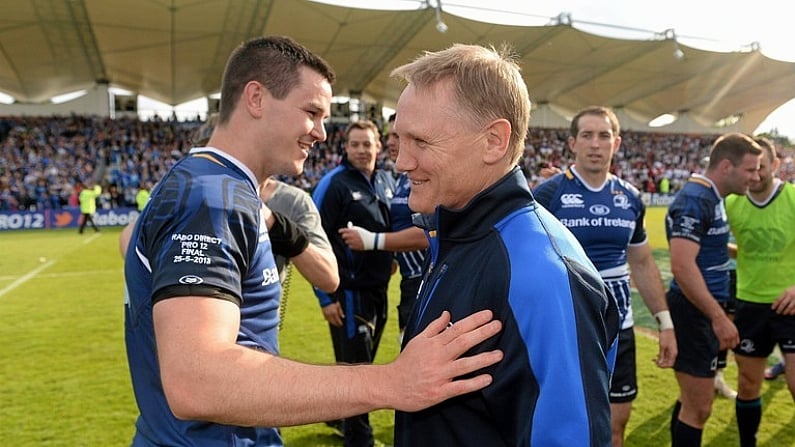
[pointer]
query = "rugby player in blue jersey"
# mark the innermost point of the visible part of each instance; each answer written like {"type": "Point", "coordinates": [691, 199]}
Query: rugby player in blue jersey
{"type": "Point", "coordinates": [607, 216]}
{"type": "Point", "coordinates": [462, 122]}
{"type": "Point", "coordinates": [202, 288]}
{"type": "Point", "coordinates": [698, 234]}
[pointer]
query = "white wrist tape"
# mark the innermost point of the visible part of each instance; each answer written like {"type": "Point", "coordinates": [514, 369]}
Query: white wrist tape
{"type": "Point", "coordinates": [664, 320]}
{"type": "Point", "coordinates": [370, 240]}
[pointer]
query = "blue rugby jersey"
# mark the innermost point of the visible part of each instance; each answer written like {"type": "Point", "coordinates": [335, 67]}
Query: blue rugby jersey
{"type": "Point", "coordinates": [697, 213]}
{"type": "Point", "coordinates": [606, 220]}
{"type": "Point", "coordinates": [410, 262]}
{"type": "Point", "coordinates": [505, 253]}
{"type": "Point", "coordinates": [202, 227]}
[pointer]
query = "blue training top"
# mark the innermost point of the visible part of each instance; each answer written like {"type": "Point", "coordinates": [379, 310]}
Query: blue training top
{"type": "Point", "coordinates": [505, 253]}
{"type": "Point", "coordinates": [345, 195]}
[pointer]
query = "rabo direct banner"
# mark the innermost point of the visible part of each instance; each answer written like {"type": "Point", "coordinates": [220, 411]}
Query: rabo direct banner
{"type": "Point", "coordinates": [63, 218]}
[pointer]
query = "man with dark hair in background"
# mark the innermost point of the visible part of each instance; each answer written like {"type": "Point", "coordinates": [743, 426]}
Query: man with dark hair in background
{"type": "Point", "coordinates": [698, 234]}
{"type": "Point", "coordinates": [407, 241]}
{"type": "Point", "coordinates": [607, 216]}
{"type": "Point", "coordinates": [355, 193]}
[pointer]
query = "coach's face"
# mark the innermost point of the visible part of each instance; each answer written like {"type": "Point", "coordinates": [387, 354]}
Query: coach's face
{"type": "Point", "coordinates": [443, 152]}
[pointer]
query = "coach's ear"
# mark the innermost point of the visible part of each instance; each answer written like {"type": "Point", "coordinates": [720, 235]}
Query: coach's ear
{"type": "Point", "coordinates": [497, 135]}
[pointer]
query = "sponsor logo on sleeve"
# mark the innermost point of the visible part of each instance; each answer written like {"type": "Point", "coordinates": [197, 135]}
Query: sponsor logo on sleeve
{"type": "Point", "coordinates": [190, 280]}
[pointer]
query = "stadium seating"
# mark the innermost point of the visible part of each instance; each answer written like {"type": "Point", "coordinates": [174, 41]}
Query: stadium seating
{"type": "Point", "coordinates": [44, 159]}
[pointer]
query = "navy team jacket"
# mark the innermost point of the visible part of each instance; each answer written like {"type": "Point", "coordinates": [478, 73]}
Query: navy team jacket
{"type": "Point", "coordinates": [506, 253]}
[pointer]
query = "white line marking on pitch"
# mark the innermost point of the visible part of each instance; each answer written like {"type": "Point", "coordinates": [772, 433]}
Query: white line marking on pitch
{"type": "Point", "coordinates": [24, 278]}
{"type": "Point", "coordinates": [91, 239]}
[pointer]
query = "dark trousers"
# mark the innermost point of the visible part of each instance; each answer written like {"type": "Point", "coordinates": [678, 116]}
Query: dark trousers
{"type": "Point", "coordinates": [86, 219]}
{"type": "Point", "coordinates": [357, 342]}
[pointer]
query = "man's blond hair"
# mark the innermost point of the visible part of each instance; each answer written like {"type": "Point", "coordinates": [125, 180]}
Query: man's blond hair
{"type": "Point", "coordinates": [488, 85]}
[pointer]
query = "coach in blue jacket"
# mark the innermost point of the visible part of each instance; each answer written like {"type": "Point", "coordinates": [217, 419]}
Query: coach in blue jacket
{"type": "Point", "coordinates": [462, 121]}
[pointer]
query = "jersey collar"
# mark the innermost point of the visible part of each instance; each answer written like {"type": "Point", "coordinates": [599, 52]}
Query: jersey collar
{"type": "Point", "coordinates": [231, 159]}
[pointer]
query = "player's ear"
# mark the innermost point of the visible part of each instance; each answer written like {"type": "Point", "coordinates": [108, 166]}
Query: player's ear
{"type": "Point", "coordinates": [725, 165]}
{"type": "Point", "coordinates": [570, 144]}
{"type": "Point", "coordinates": [776, 163]}
{"type": "Point", "coordinates": [616, 144]}
{"type": "Point", "coordinates": [253, 97]}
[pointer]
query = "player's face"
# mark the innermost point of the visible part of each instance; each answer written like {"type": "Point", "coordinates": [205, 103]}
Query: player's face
{"type": "Point", "coordinates": [392, 142]}
{"type": "Point", "coordinates": [767, 172]}
{"type": "Point", "coordinates": [362, 148]}
{"type": "Point", "coordinates": [594, 145]}
{"type": "Point", "coordinates": [740, 177]}
{"type": "Point", "coordinates": [441, 151]}
{"type": "Point", "coordinates": [295, 123]}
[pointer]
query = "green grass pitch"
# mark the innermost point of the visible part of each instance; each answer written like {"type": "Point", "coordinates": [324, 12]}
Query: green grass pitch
{"type": "Point", "coordinates": [64, 378]}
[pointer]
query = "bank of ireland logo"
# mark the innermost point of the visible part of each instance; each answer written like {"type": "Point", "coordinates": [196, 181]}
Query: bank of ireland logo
{"type": "Point", "coordinates": [599, 210]}
{"type": "Point", "coordinates": [571, 201]}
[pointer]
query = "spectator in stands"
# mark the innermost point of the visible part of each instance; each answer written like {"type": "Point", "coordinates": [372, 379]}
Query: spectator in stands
{"type": "Point", "coordinates": [130, 152]}
{"type": "Point", "coordinates": [698, 233]}
{"type": "Point", "coordinates": [762, 223]}
{"type": "Point", "coordinates": [111, 197]}
{"type": "Point", "coordinates": [608, 218]}
{"type": "Point", "coordinates": [462, 122]}
{"type": "Point", "coordinates": [201, 313]}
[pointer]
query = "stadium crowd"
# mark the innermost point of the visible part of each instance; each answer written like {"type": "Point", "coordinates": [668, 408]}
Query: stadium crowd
{"type": "Point", "coordinates": [44, 161]}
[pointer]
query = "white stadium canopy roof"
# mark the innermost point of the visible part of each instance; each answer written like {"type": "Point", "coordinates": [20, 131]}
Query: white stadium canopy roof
{"type": "Point", "coordinates": [175, 50]}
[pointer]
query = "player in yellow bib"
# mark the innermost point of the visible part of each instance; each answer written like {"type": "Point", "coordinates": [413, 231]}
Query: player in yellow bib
{"type": "Point", "coordinates": [762, 222]}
